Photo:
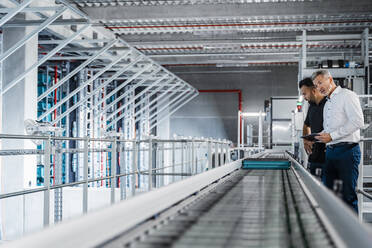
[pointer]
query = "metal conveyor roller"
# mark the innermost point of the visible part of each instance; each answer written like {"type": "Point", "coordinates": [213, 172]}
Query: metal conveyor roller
{"type": "Point", "coordinates": [252, 208]}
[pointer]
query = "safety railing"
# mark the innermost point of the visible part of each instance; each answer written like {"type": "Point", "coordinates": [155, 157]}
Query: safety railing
{"type": "Point", "coordinates": [129, 167]}
{"type": "Point", "coordinates": [360, 185]}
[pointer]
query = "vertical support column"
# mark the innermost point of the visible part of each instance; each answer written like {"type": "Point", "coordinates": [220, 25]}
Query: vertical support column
{"type": "Point", "coordinates": [85, 176]}
{"type": "Point", "coordinates": [134, 167]}
{"type": "Point", "coordinates": [365, 54]}
{"type": "Point", "coordinates": [47, 153]}
{"type": "Point", "coordinates": [17, 104]}
{"type": "Point", "coordinates": [260, 130]}
{"type": "Point", "coordinates": [150, 166]}
{"type": "Point", "coordinates": [360, 181]}
{"type": "Point", "coordinates": [242, 127]}
{"type": "Point", "coordinates": [113, 170]}
{"type": "Point", "coordinates": [209, 155]}
{"type": "Point", "coordinates": [238, 140]}
{"type": "Point", "coordinates": [303, 57]}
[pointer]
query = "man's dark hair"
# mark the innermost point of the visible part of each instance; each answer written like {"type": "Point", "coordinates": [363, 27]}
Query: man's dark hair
{"type": "Point", "coordinates": [306, 82]}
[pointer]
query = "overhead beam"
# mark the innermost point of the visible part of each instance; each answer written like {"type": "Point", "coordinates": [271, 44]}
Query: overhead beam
{"type": "Point", "coordinates": [16, 24]}
{"type": "Point", "coordinates": [14, 12]}
{"type": "Point", "coordinates": [330, 7]}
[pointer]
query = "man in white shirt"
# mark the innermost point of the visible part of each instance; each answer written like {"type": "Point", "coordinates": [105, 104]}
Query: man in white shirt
{"type": "Point", "coordinates": [342, 120]}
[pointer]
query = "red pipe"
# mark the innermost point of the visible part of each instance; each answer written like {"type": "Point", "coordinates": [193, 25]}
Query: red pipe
{"type": "Point", "coordinates": [240, 24]}
{"type": "Point", "coordinates": [55, 91]}
{"type": "Point", "coordinates": [239, 100]}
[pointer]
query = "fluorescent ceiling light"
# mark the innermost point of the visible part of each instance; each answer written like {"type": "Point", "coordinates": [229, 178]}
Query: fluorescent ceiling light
{"type": "Point", "coordinates": [252, 114]}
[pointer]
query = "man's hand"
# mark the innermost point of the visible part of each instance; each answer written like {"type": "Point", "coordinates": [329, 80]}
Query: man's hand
{"type": "Point", "coordinates": [324, 137]}
{"type": "Point", "coordinates": [308, 146]}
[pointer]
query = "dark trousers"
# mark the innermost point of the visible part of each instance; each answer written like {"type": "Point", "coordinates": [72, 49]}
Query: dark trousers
{"type": "Point", "coordinates": [313, 166]}
{"type": "Point", "coordinates": [342, 164]}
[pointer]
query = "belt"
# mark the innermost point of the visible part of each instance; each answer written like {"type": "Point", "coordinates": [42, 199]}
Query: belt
{"type": "Point", "coordinates": [347, 144]}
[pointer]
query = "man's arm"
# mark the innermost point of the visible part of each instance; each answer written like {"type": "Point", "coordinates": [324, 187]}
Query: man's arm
{"type": "Point", "coordinates": [306, 130]}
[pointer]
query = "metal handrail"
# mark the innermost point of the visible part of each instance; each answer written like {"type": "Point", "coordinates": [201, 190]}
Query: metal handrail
{"type": "Point", "coordinates": [344, 222]}
{"type": "Point", "coordinates": [192, 160]}
{"type": "Point", "coordinates": [44, 137]}
{"type": "Point", "coordinates": [92, 180]}
{"type": "Point", "coordinates": [369, 196]}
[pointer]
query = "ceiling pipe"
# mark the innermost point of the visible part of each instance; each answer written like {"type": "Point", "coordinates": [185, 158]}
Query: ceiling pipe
{"type": "Point", "coordinates": [265, 46]}
{"type": "Point", "coordinates": [240, 24]}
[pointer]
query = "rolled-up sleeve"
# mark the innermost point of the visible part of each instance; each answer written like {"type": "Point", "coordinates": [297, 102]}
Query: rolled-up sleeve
{"type": "Point", "coordinates": [355, 119]}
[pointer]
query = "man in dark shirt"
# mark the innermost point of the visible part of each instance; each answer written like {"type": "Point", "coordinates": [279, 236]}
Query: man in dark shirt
{"type": "Point", "coordinates": [313, 123]}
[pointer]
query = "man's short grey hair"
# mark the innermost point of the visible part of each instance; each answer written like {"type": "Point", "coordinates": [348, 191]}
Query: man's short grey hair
{"type": "Point", "coordinates": [323, 72]}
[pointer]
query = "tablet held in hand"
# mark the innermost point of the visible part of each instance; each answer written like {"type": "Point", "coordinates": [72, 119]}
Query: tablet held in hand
{"type": "Point", "coordinates": [310, 137]}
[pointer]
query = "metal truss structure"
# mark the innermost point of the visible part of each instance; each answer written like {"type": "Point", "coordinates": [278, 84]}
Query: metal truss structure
{"type": "Point", "coordinates": [108, 68]}
{"type": "Point", "coordinates": [185, 32]}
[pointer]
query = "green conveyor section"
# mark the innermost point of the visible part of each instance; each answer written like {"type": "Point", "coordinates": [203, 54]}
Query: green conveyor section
{"type": "Point", "coordinates": [265, 164]}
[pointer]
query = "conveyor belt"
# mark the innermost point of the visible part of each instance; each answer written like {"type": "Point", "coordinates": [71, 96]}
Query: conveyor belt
{"type": "Point", "coordinates": [252, 208]}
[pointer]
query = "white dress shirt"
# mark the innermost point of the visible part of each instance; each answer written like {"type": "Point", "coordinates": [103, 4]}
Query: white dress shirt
{"type": "Point", "coordinates": [343, 116]}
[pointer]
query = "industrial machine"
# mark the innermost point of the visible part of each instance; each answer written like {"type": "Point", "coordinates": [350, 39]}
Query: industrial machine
{"type": "Point", "coordinates": [265, 200]}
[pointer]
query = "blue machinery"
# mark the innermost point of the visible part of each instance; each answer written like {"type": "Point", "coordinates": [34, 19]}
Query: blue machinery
{"type": "Point", "coordinates": [272, 202]}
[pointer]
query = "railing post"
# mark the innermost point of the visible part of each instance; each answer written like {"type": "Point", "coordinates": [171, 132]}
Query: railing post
{"type": "Point", "coordinates": [162, 148]}
{"type": "Point", "coordinates": [188, 159]}
{"type": "Point", "coordinates": [173, 161]}
{"type": "Point", "coordinates": [360, 181]}
{"type": "Point", "coordinates": [157, 166]}
{"type": "Point", "coordinates": [220, 153]}
{"type": "Point", "coordinates": [193, 164]}
{"type": "Point", "coordinates": [134, 167]}
{"type": "Point", "coordinates": [216, 155]}
{"type": "Point", "coordinates": [85, 176]}
{"type": "Point", "coordinates": [150, 166]}
{"type": "Point", "coordinates": [58, 180]}
{"type": "Point", "coordinates": [113, 169]}
{"type": "Point", "coordinates": [182, 159]}
{"type": "Point", "coordinates": [228, 153]}
{"type": "Point", "coordinates": [123, 169]}
{"type": "Point", "coordinates": [47, 153]}
{"type": "Point", "coordinates": [209, 155]}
